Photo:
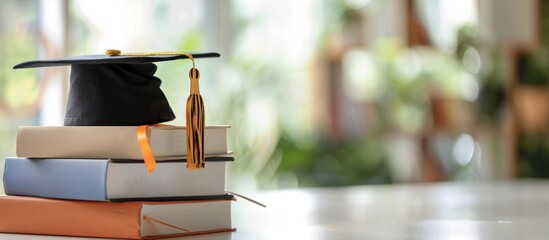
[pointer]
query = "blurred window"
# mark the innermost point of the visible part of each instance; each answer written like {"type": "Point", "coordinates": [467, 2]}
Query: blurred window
{"type": "Point", "coordinates": [19, 90]}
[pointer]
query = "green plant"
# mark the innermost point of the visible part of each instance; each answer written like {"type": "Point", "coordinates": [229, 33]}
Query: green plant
{"type": "Point", "coordinates": [327, 162]}
{"type": "Point", "coordinates": [533, 152]}
{"type": "Point", "coordinates": [533, 67]}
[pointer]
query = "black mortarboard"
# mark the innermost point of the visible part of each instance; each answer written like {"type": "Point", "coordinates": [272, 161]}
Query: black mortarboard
{"type": "Point", "coordinates": [121, 90]}
{"type": "Point", "coordinates": [114, 90]}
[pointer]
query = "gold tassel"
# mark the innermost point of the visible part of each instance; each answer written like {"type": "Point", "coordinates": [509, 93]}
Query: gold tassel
{"type": "Point", "coordinates": [195, 110]}
{"type": "Point", "coordinates": [195, 123]}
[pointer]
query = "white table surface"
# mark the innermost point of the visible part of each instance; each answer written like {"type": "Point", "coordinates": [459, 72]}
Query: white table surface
{"type": "Point", "coordinates": [481, 210]}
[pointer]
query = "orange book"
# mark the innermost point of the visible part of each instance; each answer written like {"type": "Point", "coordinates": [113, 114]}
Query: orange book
{"type": "Point", "coordinates": [125, 220]}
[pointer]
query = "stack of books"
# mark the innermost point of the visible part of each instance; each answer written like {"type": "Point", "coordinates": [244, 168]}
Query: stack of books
{"type": "Point", "coordinates": [91, 181]}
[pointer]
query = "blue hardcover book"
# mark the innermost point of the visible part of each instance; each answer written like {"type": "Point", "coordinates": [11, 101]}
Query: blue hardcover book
{"type": "Point", "coordinates": [113, 180]}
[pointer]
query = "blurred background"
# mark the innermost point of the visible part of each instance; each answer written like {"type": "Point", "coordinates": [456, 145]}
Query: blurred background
{"type": "Point", "coordinates": [318, 92]}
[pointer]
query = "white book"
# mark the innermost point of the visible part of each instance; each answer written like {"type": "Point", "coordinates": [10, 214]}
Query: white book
{"type": "Point", "coordinates": [114, 142]}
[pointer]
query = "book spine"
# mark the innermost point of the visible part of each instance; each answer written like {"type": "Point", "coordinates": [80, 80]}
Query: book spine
{"type": "Point", "coordinates": [56, 178]}
{"type": "Point", "coordinates": [70, 218]}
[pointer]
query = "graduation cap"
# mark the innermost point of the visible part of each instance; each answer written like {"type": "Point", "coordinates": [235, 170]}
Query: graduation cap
{"type": "Point", "coordinates": [120, 89]}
